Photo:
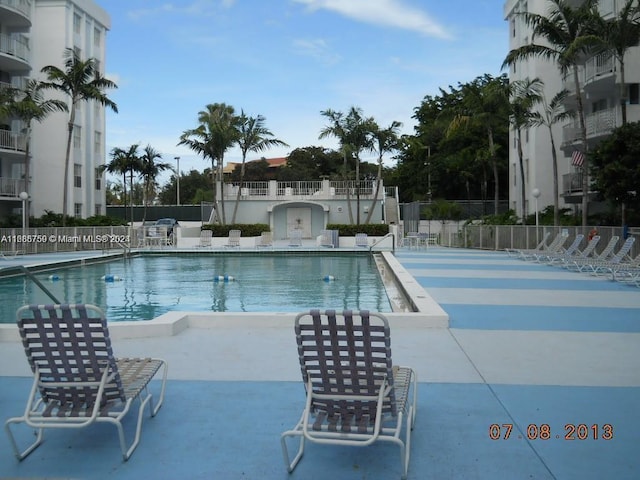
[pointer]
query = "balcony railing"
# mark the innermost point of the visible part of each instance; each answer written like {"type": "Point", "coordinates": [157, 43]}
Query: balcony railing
{"type": "Point", "coordinates": [15, 45]}
{"type": "Point", "coordinates": [12, 141]}
{"type": "Point", "coordinates": [22, 6]}
{"type": "Point", "coordinates": [597, 66]}
{"type": "Point", "coordinates": [572, 183]}
{"type": "Point", "coordinates": [11, 187]}
{"type": "Point", "coordinates": [309, 190]}
{"type": "Point", "coordinates": [597, 123]}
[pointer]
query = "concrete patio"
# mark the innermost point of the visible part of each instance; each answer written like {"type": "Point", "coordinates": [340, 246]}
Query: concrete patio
{"type": "Point", "coordinates": [528, 345]}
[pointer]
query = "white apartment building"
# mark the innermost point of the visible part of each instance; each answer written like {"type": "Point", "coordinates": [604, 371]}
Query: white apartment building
{"type": "Point", "coordinates": [600, 82]}
{"type": "Point", "coordinates": [34, 34]}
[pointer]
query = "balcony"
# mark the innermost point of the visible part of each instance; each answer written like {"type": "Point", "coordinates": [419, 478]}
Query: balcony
{"type": "Point", "coordinates": [11, 187]}
{"type": "Point", "coordinates": [16, 13]}
{"type": "Point", "coordinates": [598, 124]}
{"type": "Point", "coordinates": [15, 142]}
{"type": "Point", "coordinates": [306, 191]}
{"type": "Point", "coordinates": [15, 52]}
{"type": "Point", "coordinates": [598, 66]}
{"type": "Point", "coordinates": [571, 183]}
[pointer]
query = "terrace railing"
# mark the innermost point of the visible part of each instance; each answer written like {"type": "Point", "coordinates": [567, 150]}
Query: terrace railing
{"type": "Point", "coordinates": [302, 190]}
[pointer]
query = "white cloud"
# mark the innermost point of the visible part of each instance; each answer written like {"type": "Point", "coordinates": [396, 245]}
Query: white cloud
{"type": "Point", "coordinates": [316, 48]}
{"type": "Point", "coordinates": [391, 13]}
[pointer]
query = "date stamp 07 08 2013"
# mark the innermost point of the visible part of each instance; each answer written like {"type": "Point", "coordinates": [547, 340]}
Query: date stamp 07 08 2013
{"type": "Point", "coordinates": [543, 431]}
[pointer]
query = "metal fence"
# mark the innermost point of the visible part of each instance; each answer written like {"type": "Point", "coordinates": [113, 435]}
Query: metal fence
{"type": "Point", "coordinates": [500, 237]}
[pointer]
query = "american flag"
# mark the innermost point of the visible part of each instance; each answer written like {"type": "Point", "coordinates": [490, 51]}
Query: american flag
{"type": "Point", "coordinates": [577, 158]}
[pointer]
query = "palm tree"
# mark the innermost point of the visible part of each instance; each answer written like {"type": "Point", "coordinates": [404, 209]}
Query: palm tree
{"type": "Point", "coordinates": [149, 170]}
{"type": "Point", "coordinates": [483, 100]}
{"type": "Point", "coordinates": [353, 132]}
{"type": "Point", "coordinates": [567, 35]}
{"type": "Point", "coordinates": [524, 95]}
{"type": "Point", "coordinates": [553, 112]}
{"type": "Point", "coordinates": [254, 137]}
{"type": "Point", "coordinates": [123, 162]}
{"type": "Point", "coordinates": [386, 140]}
{"type": "Point", "coordinates": [216, 133]}
{"type": "Point", "coordinates": [28, 104]}
{"type": "Point", "coordinates": [80, 81]}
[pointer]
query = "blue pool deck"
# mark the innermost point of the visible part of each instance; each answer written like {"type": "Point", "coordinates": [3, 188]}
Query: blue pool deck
{"type": "Point", "coordinates": [529, 345]}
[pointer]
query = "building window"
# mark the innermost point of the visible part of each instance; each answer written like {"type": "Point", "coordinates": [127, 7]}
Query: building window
{"type": "Point", "coordinates": [98, 209]}
{"type": "Point", "coordinates": [77, 136]}
{"type": "Point", "coordinates": [513, 28]}
{"type": "Point", "coordinates": [634, 93]}
{"type": "Point", "coordinates": [77, 210]}
{"type": "Point", "coordinates": [97, 37]}
{"type": "Point", "coordinates": [97, 144]}
{"type": "Point", "coordinates": [515, 175]}
{"type": "Point", "coordinates": [77, 51]}
{"type": "Point", "coordinates": [96, 110]}
{"type": "Point", "coordinates": [98, 178]}
{"type": "Point", "coordinates": [77, 21]}
{"type": "Point", "coordinates": [98, 66]}
{"type": "Point", "coordinates": [77, 175]}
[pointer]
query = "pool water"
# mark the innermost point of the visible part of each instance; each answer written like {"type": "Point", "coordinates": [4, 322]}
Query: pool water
{"type": "Point", "coordinates": [145, 287]}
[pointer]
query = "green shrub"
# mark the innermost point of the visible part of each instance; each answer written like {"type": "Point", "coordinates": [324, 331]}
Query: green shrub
{"type": "Point", "coordinates": [372, 229]}
{"type": "Point", "coordinates": [247, 230]}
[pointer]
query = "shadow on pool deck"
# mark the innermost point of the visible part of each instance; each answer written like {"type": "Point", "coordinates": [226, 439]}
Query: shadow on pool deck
{"type": "Point", "coordinates": [232, 391]}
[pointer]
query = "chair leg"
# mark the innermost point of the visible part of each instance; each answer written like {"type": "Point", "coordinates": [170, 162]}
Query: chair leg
{"type": "Point", "coordinates": [39, 438]}
{"type": "Point", "coordinates": [291, 465]}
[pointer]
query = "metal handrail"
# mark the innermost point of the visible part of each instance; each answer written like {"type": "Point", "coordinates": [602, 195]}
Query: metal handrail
{"type": "Point", "coordinates": [393, 242]}
{"type": "Point", "coordinates": [39, 284]}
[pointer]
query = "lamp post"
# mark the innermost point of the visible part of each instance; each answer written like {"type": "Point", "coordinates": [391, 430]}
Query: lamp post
{"type": "Point", "coordinates": [177, 159]}
{"type": "Point", "coordinates": [536, 193]}
{"type": "Point", "coordinates": [24, 196]}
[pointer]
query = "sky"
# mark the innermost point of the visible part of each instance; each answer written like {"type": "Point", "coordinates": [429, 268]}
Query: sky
{"type": "Point", "coordinates": [288, 60]}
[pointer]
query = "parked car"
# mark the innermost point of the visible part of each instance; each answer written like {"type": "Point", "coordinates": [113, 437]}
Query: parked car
{"type": "Point", "coordinates": [166, 226]}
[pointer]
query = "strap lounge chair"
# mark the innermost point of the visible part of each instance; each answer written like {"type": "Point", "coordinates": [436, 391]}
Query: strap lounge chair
{"type": "Point", "coordinates": [77, 380]}
{"type": "Point", "coordinates": [579, 264]}
{"type": "Point", "coordinates": [588, 252]}
{"type": "Point", "coordinates": [355, 396]}
{"type": "Point", "coordinates": [265, 240]}
{"type": "Point", "coordinates": [611, 265]}
{"type": "Point", "coordinates": [205, 238]}
{"type": "Point", "coordinates": [362, 240]}
{"type": "Point", "coordinates": [515, 252]}
{"type": "Point", "coordinates": [295, 238]}
{"type": "Point", "coordinates": [234, 239]}
{"type": "Point", "coordinates": [556, 246]}
{"type": "Point", "coordinates": [564, 253]}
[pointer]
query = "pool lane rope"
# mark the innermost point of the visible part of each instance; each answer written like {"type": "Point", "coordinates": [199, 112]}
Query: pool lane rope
{"type": "Point", "coordinates": [328, 278]}
{"type": "Point", "coordinates": [111, 278]}
{"type": "Point", "coordinates": [224, 279]}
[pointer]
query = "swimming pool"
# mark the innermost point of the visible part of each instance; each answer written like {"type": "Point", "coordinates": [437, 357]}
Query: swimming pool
{"type": "Point", "coordinates": [148, 286]}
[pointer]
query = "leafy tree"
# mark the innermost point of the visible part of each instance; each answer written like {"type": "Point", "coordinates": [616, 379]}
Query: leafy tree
{"type": "Point", "coordinates": [616, 170]}
{"type": "Point", "coordinates": [81, 82]}
{"type": "Point", "coordinates": [484, 103]}
{"type": "Point", "coordinates": [253, 137]}
{"type": "Point", "coordinates": [195, 187]}
{"type": "Point", "coordinates": [311, 163]}
{"type": "Point", "coordinates": [149, 169]}
{"type": "Point", "coordinates": [28, 104]}
{"type": "Point", "coordinates": [216, 133]}
{"type": "Point", "coordinates": [123, 162]}
{"type": "Point", "coordinates": [567, 35]}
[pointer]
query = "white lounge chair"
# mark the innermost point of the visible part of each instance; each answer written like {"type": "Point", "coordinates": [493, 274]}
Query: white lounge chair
{"type": "Point", "coordinates": [77, 380]}
{"type": "Point", "coordinates": [362, 240]}
{"type": "Point", "coordinates": [355, 396]}
{"type": "Point", "coordinates": [234, 239]}
{"type": "Point", "coordinates": [578, 264]}
{"type": "Point", "coordinates": [295, 238]}
{"type": "Point", "coordinates": [265, 240]}
{"type": "Point", "coordinates": [205, 238]}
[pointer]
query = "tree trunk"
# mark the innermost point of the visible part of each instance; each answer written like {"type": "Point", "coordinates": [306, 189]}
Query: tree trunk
{"type": "Point", "coordinates": [65, 182]}
{"type": "Point", "coordinates": [585, 146]}
{"type": "Point", "coordinates": [554, 162]}
{"type": "Point", "coordinates": [523, 198]}
{"type": "Point", "coordinates": [494, 166]}
{"type": "Point", "coordinates": [27, 173]}
{"type": "Point", "coordinates": [238, 194]}
{"type": "Point", "coordinates": [375, 195]}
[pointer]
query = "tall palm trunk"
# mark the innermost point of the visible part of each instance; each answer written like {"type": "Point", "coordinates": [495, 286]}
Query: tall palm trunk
{"type": "Point", "coordinates": [494, 166]}
{"type": "Point", "coordinates": [522, 175]}
{"type": "Point", "coordinates": [585, 146]}
{"type": "Point", "coordinates": [239, 192]}
{"type": "Point", "coordinates": [377, 192]}
{"type": "Point", "coordinates": [27, 173]}
{"type": "Point", "coordinates": [556, 187]}
{"type": "Point", "coordinates": [67, 158]}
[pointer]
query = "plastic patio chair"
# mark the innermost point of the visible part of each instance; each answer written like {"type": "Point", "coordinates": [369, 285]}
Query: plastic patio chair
{"type": "Point", "coordinates": [77, 380]}
{"type": "Point", "coordinates": [362, 240]}
{"type": "Point", "coordinates": [355, 396]}
{"type": "Point", "coordinates": [234, 238]}
{"type": "Point", "coordinates": [205, 238]}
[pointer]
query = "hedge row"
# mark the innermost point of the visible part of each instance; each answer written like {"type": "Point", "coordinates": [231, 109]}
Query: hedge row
{"type": "Point", "coordinates": [255, 229]}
